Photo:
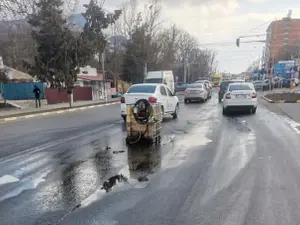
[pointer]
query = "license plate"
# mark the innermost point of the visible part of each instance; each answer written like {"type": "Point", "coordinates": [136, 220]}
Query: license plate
{"type": "Point", "coordinates": [240, 96]}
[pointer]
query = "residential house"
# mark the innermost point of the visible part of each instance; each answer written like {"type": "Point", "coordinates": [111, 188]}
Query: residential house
{"type": "Point", "coordinates": [88, 76]}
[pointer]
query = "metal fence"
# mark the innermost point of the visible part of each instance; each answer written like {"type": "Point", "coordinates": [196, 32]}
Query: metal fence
{"type": "Point", "coordinates": [21, 91]}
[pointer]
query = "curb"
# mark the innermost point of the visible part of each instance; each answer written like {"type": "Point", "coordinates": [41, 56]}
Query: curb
{"type": "Point", "coordinates": [280, 101]}
{"type": "Point", "coordinates": [55, 110]}
{"type": "Point", "coordinates": [268, 100]}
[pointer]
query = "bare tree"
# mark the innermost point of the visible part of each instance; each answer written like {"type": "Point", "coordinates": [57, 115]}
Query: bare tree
{"type": "Point", "coordinates": [129, 19]}
{"type": "Point", "coordinates": [17, 44]}
{"type": "Point", "coordinates": [186, 44]}
{"type": "Point", "coordinates": [20, 9]}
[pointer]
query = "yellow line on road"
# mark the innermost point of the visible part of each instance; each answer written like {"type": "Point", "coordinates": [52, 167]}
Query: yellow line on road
{"type": "Point", "coordinates": [60, 111]}
{"type": "Point", "coordinates": [57, 112]}
{"type": "Point", "coordinates": [30, 116]}
{"type": "Point", "coordinates": [10, 118]}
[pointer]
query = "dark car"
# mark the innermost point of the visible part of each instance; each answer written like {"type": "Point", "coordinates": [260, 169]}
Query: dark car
{"type": "Point", "coordinates": [223, 87]}
{"type": "Point", "coordinates": [180, 86]}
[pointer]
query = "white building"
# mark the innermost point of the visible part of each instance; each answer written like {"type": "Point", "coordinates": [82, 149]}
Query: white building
{"type": "Point", "coordinates": [88, 76]}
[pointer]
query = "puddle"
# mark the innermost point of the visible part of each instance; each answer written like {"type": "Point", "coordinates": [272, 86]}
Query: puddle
{"type": "Point", "coordinates": [143, 161]}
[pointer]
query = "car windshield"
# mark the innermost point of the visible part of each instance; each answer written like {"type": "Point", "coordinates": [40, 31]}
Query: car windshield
{"type": "Point", "coordinates": [154, 80]}
{"type": "Point", "coordinates": [195, 85]}
{"type": "Point", "coordinates": [237, 87]}
{"type": "Point", "coordinates": [142, 89]}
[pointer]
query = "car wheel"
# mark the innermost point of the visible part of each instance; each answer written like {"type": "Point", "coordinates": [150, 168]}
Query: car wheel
{"type": "Point", "coordinates": [253, 111]}
{"type": "Point", "coordinates": [224, 111]}
{"type": "Point", "coordinates": [186, 101]}
{"type": "Point", "coordinates": [175, 114]}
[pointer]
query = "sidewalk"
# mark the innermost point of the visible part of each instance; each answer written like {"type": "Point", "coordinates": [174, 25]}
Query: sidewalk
{"type": "Point", "coordinates": [290, 110]}
{"type": "Point", "coordinates": [282, 90]}
{"type": "Point", "coordinates": [14, 112]}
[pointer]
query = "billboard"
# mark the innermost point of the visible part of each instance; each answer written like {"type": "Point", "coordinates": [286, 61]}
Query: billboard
{"type": "Point", "coordinates": [285, 69]}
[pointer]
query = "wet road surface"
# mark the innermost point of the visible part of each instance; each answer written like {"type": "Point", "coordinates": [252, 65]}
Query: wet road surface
{"type": "Point", "coordinates": [209, 169]}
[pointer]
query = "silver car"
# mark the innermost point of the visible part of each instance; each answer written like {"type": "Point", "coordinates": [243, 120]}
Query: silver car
{"type": "Point", "coordinates": [195, 92]}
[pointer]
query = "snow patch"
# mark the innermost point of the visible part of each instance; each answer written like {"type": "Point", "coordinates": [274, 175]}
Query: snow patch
{"type": "Point", "coordinates": [7, 179]}
{"type": "Point", "coordinates": [293, 124]}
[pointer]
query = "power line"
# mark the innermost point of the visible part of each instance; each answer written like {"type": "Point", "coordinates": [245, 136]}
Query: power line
{"type": "Point", "coordinates": [256, 28]}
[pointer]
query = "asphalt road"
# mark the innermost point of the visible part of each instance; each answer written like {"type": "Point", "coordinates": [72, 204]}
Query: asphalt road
{"type": "Point", "coordinates": [209, 169]}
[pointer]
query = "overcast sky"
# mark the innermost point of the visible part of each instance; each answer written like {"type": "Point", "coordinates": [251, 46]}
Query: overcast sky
{"type": "Point", "coordinates": [222, 21]}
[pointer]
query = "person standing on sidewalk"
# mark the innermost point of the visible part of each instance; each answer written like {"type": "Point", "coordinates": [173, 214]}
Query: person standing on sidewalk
{"type": "Point", "coordinates": [37, 93]}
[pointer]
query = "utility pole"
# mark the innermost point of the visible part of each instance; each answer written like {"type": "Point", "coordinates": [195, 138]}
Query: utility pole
{"type": "Point", "coordinates": [185, 67]}
{"type": "Point", "coordinates": [145, 70]}
{"type": "Point", "coordinates": [104, 75]}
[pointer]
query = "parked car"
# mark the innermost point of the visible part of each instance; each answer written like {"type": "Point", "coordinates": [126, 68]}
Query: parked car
{"type": "Point", "coordinates": [258, 85]}
{"type": "Point", "coordinates": [261, 85]}
{"type": "Point", "coordinates": [240, 97]}
{"type": "Point", "coordinates": [117, 95]}
{"type": "Point", "coordinates": [154, 93]}
{"type": "Point", "coordinates": [206, 82]}
{"type": "Point", "coordinates": [180, 86]}
{"type": "Point", "coordinates": [208, 85]}
{"type": "Point", "coordinates": [224, 85]}
{"type": "Point", "coordinates": [196, 92]}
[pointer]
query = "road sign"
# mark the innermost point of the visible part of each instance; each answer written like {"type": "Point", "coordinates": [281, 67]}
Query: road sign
{"type": "Point", "coordinates": [284, 68]}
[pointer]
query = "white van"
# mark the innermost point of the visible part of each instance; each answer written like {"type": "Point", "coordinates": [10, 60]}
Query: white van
{"type": "Point", "coordinates": [161, 77]}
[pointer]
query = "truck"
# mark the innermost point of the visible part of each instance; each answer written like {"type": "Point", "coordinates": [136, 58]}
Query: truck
{"type": "Point", "coordinates": [161, 77]}
{"type": "Point", "coordinates": [216, 79]}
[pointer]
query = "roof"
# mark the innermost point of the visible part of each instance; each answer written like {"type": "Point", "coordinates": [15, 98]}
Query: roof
{"type": "Point", "coordinates": [91, 78]}
{"type": "Point", "coordinates": [147, 84]}
{"type": "Point", "coordinates": [17, 75]}
{"type": "Point", "coordinates": [278, 21]}
{"type": "Point", "coordinates": [238, 83]}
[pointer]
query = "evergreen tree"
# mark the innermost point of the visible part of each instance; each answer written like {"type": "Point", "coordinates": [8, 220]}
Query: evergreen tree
{"type": "Point", "coordinates": [60, 51]}
{"type": "Point", "coordinates": [97, 20]}
{"type": "Point", "coordinates": [3, 76]}
{"type": "Point", "coordinates": [135, 56]}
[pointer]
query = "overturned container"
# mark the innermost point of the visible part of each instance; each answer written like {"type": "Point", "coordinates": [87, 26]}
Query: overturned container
{"type": "Point", "coordinates": [143, 122]}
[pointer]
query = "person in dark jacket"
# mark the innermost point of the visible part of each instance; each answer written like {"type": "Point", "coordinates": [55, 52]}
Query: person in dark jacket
{"type": "Point", "coordinates": [37, 93]}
